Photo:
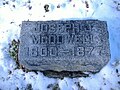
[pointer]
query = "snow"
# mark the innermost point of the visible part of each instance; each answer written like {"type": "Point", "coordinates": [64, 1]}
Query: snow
{"type": "Point", "coordinates": [15, 11]}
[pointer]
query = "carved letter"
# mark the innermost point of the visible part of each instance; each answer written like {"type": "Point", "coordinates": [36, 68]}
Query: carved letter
{"type": "Point", "coordinates": [44, 27]}
{"type": "Point", "coordinates": [76, 29]}
{"type": "Point", "coordinates": [33, 51]}
{"type": "Point", "coordinates": [52, 51]}
{"type": "Point", "coordinates": [59, 39]}
{"type": "Point", "coordinates": [88, 38]}
{"type": "Point", "coordinates": [43, 51]}
{"type": "Point", "coordinates": [44, 39]}
{"type": "Point", "coordinates": [52, 39]}
{"type": "Point", "coordinates": [78, 39]}
{"type": "Point", "coordinates": [35, 39]}
{"type": "Point", "coordinates": [80, 51]}
{"type": "Point", "coordinates": [52, 28]}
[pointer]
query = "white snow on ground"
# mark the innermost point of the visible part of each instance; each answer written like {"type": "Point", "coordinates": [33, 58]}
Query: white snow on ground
{"type": "Point", "coordinates": [13, 12]}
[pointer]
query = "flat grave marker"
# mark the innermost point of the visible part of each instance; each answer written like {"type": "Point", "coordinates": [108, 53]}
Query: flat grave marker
{"type": "Point", "coordinates": [72, 45]}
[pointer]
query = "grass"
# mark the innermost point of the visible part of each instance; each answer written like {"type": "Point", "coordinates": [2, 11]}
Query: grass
{"type": "Point", "coordinates": [13, 51]}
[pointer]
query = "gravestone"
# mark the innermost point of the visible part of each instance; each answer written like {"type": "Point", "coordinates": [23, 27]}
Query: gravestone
{"type": "Point", "coordinates": [71, 46]}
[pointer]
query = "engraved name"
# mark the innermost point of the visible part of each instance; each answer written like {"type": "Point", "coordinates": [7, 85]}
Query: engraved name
{"type": "Point", "coordinates": [61, 39]}
{"type": "Point", "coordinates": [71, 28]}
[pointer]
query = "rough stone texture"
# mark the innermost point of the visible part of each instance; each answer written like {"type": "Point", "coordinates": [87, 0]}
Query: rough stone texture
{"type": "Point", "coordinates": [73, 45]}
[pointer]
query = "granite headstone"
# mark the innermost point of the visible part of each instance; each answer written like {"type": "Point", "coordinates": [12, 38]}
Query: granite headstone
{"type": "Point", "coordinates": [71, 45]}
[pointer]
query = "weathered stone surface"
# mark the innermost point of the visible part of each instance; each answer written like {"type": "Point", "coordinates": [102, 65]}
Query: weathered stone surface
{"type": "Point", "coordinates": [74, 45]}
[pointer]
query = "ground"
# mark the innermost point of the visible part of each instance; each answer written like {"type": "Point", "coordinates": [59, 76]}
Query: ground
{"type": "Point", "coordinates": [13, 12]}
